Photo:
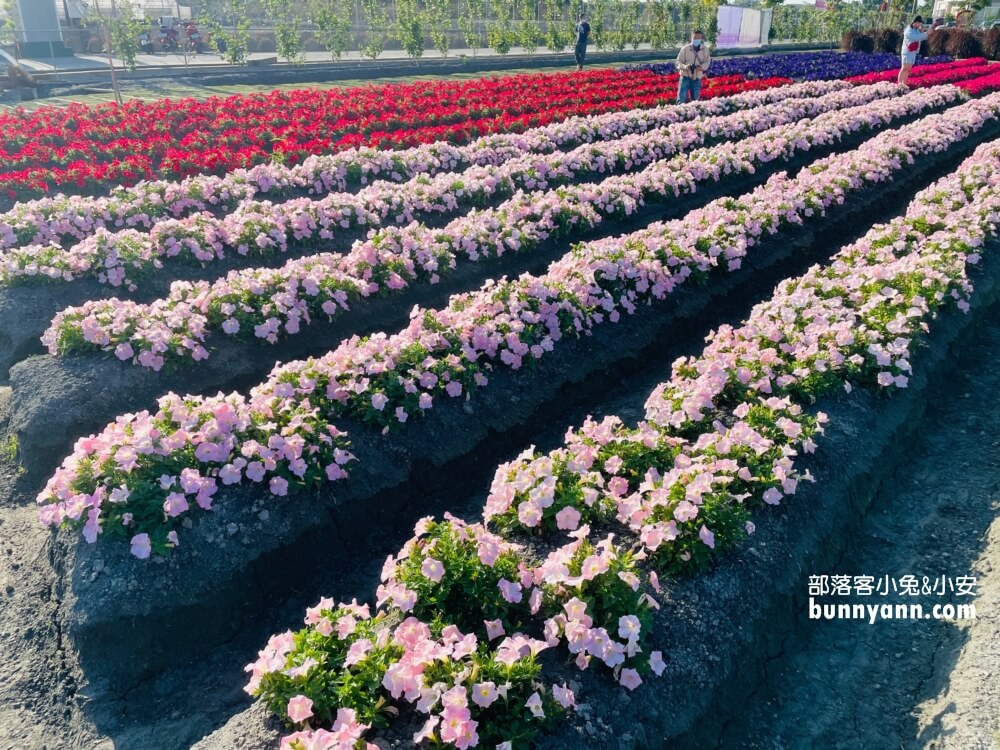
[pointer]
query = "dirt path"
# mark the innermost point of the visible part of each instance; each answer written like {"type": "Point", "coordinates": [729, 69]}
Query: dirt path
{"type": "Point", "coordinates": [38, 679]}
{"type": "Point", "coordinates": [905, 683]}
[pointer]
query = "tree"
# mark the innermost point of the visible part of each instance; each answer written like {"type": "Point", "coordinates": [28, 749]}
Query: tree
{"type": "Point", "coordinates": [557, 27]}
{"type": "Point", "coordinates": [7, 24]}
{"type": "Point", "coordinates": [530, 35]}
{"type": "Point", "coordinates": [598, 29]}
{"type": "Point", "coordinates": [332, 19]}
{"type": "Point", "coordinates": [499, 33]}
{"type": "Point", "coordinates": [125, 29]}
{"type": "Point", "coordinates": [287, 39]}
{"type": "Point", "coordinates": [662, 33]}
{"type": "Point", "coordinates": [409, 27]}
{"type": "Point", "coordinates": [469, 16]}
{"type": "Point", "coordinates": [438, 14]}
{"type": "Point", "coordinates": [377, 21]}
{"type": "Point", "coordinates": [105, 26]}
{"type": "Point", "coordinates": [232, 43]}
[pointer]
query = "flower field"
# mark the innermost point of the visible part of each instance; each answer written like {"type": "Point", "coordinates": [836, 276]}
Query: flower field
{"type": "Point", "coordinates": [249, 335]}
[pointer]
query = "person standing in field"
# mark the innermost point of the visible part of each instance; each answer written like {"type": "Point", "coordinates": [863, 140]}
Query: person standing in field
{"type": "Point", "coordinates": [912, 37]}
{"type": "Point", "coordinates": [692, 64]}
{"type": "Point", "coordinates": [582, 37]}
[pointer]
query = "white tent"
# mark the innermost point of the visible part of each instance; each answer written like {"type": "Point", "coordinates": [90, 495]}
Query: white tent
{"type": "Point", "coordinates": [742, 27]}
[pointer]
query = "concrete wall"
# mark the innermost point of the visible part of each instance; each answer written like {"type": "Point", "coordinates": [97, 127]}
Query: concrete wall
{"type": "Point", "coordinates": [37, 22]}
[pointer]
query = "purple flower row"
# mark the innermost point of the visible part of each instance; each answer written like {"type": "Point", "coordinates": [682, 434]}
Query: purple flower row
{"type": "Point", "coordinates": [61, 219]}
{"type": "Point", "coordinates": [809, 66]}
{"type": "Point", "coordinates": [270, 303]}
{"type": "Point", "coordinates": [140, 471]}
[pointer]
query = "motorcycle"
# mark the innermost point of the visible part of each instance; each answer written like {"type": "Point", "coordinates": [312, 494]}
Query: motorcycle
{"type": "Point", "coordinates": [195, 41]}
{"type": "Point", "coordinates": [168, 40]}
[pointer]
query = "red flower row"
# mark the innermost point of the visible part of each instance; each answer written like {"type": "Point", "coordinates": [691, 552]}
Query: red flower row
{"type": "Point", "coordinates": [276, 116]}
{"type": "Point", "coordinates": [982, 84]}
{"type": "Point", "coordinates": [960, 68]}
{"type": "Point", "coordinates": [87, 149]}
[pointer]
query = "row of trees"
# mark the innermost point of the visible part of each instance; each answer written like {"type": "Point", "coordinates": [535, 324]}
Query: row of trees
{"type": "Point", "coordinates": [371, 26]}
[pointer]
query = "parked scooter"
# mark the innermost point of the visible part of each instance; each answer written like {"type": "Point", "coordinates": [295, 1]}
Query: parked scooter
{"type": "Point", "coordinates": [168, 39]}
{"type": "Point", "coordinates": [146, 43]}
{"type": "Point", "coordinates": [195, 41]}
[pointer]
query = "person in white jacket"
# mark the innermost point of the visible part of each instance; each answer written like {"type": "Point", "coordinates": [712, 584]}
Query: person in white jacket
{"type": "Point", "coordinates": [912, 37]}
{"type": "Point", "coordinates": [693, 62]}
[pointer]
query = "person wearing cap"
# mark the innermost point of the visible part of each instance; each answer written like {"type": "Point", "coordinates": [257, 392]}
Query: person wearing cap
{"type": "Point", "coordinates": [912, 37]}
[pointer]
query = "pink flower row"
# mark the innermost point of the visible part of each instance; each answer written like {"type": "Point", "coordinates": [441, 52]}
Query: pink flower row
{"type": "Point", "coordinates": [664, 479]}
{"type": "Point", "coordinates": [139, 472]}
{"type": "Point", "coordinates": [62, 218]}
{"type": "Point", "coordinates": [263, 228]}
{"type": "Point", "coordinates": [270, 303]}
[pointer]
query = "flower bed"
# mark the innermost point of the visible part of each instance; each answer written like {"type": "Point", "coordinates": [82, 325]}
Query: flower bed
{"type": "Point", "coordinates": [809, 66]}
{"type": "Point", "coordinates": [85, 149]}
{"type": "Point", "coordinates": [232, 561]}
{"type": "Point", "coordinates": [982, 85]}
{"type": "Point", "coordinates": [719, 440]}
{"type": "Point", "coordinates": [919, 72]}
{"type": "Point", "coordinates": [135, 477]}
{"type": "Point", "coordinates": [63, 219]}
{"type": "Point", "coordinates": [95, 389]}
{"type": "Point", "coordinates": [270, 303]}
{"type": "Point", "coordinates": [262, 228]}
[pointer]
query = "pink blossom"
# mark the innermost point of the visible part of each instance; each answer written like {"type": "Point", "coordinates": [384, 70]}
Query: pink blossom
{"type": "Point", "coordinates": [300, 708]}
{"type": "Point", "coordinates": [510, 591]}
{"type": "Point", "coordinates": [656, 662]}
{"type": "Point", "coordinates": [484, 694]}
{"type": "Point", "coordinates": [141, 546]}
{"type": "Point", "coordinates": [568, 518]}
{"type": "Point", "coordinates": [494, 629]}
{"type": "Point", "coordinates": [534, 704]}
{"type": "Point", "coordinates": [175, 504]}
{"type": "Point", "coordinates": [630, 679]}
{"type": "Point", "coordinates": [432, 569]}
{"type": "Point", "coordinates": [706, 536]}
{"type": "Point", "coordinates": [563, 696]}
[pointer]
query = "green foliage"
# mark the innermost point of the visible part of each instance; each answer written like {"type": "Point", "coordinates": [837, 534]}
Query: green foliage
{"type": "Point", "coordinates": [470, 12]}
{"type": "Point", "coordinates": [500, 34]}
{"type": "Point", "coordinates": [9, 449]}
{"type": "Point", "coordinates": [125, 30]}
{"type": "Point", "coordinates": [287, 39]}
{"type": "Point", "coordinates": [530, 35]}
{"type": "Point", "coordinates": [465, 578]}
{"type": "Point", "coordinates": [328, 682]}
{"type": "Point", "coordinates": [438, 14]}
{"type": "Point", "coordinates": [409, 27]}
{"type": "Point", "coordinates": [377, 21]}
{"type": "Point", "coordinates": [332, 19]}
{"type": "Point", "coordinates": [233, 43]}
{"type": "Point", "coordinates": [558, 29]}
{"type": "Point", "coordinates": [608, 595]}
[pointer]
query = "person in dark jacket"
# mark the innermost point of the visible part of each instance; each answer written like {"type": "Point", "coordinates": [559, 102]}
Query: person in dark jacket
{"type": "Point", "coordinates": [582, 37]}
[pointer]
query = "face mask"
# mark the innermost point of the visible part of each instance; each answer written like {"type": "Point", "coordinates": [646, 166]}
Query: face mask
{"type": "Point", "coordinates": [696, 43]}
